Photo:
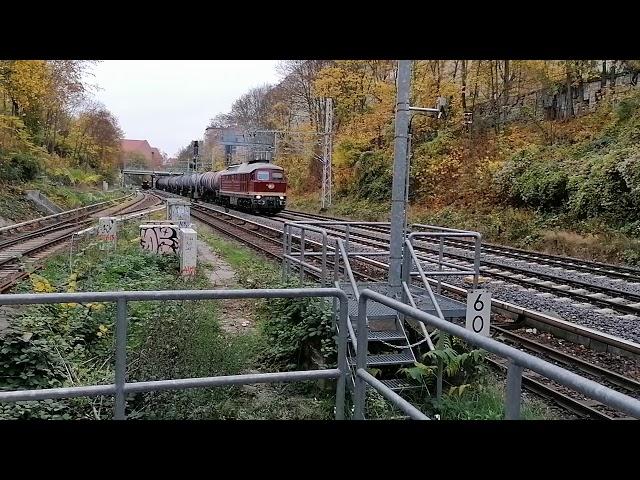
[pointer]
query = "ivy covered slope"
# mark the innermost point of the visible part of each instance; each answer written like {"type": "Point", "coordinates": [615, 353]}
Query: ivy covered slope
{"type": "Point", "coordinates": [578, 194]}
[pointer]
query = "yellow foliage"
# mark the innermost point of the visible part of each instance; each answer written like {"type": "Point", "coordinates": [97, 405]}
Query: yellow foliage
{"type": "Point", "coordinates": [41, 284]}
{"type": "Point", "coordinates": [28, 81]}
{"type": "Point", "coordinates": [102, 329]}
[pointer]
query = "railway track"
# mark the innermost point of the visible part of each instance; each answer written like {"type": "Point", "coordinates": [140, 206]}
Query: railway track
{"type": "Point", "coordinates": [606, 297]}
{"type": "Point", "coordinates": [30, 248]}
{"type": "Point", "coordinates": [268, 240]}
{"type": "Point", "coordinates": [590, 337]}
{"type": "Point", "coordinates": [623, 272]}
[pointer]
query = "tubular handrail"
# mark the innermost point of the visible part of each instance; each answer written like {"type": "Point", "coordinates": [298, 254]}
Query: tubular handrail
{"type": "Point", "coordinates": [425, 333]}
{"type": "Point", "coordinates": [518, 361]}
{"type": "Point", "coordinates": [447, 233]}
{"type": "Point", "coordinates": [287, 235]}
{"type": "Point", "coordinates": [386, 392]}
{"type": "Point", "coordinates": [337, 222]}
{"type": "Point", "coordinates": [120, 387]}
{"type": "Point", "coordinates": [423, 277]}
{"type": "Point", "coordinates": [347, 267]}
{"type": "Point", "coordinates": [423, 226]}
{"type": "Point", "coordinates": [352, 332]}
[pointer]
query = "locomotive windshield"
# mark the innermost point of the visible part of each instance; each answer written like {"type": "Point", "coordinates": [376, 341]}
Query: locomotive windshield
{"type": "Point", "coordinates": [262, 175]}
{"type": "Point", "coordinates": [277, 176]}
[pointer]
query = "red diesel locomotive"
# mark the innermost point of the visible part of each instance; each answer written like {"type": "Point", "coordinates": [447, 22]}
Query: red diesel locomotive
{"type": "Point", "coordinates": [256, 186]}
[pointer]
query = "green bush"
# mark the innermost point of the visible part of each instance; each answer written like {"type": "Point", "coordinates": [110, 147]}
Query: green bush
{"type": "Point", "coordinates": [543, 186]}
{"type": "Point", "coordinates": [19, 167]}
{"type": "Point", "coordinates": [373, 176]}
{"type": "Point", "coordinates": [627, 108]}
{"type": "Point", "coordinates": [609, 188]}
{"type": "Point", "coordinates": [299, 331]}
{"type": "Point", "coordinates": [531, 179]}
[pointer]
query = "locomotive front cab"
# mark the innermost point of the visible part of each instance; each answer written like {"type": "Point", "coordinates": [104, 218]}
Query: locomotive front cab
{"type": "Point", "coordinates": [269, 188]}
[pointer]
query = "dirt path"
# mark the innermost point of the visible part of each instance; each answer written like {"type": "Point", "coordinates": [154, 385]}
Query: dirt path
{"type": "Point", "coordinates": [236, 316]}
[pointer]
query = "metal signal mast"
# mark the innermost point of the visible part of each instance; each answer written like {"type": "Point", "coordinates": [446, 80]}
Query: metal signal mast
{"type": "Point", "coordinates": [327, 153]}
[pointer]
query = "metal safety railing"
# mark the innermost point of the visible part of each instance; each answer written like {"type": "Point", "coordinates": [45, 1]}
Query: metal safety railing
{"type": "Point", "coordinates": [441, 234]}
{"type": "Point", "coordinates": [299, 257]}
{"type": "Point", "coordinates": [290, 257]}
{"type": "Point", "coordinates": [517, 362]}
{"type": "Point", "coordinates": [120, 388]}
{"type": "Point", "coordinates": [341, 255]}
{"type": "Point", "coordinates": [75, 211]}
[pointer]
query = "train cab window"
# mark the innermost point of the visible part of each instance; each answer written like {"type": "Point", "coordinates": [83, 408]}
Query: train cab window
{"type": "Point", "coordinates": [262, 176]}
{"type": "Point", "coordinates": [276, 176]}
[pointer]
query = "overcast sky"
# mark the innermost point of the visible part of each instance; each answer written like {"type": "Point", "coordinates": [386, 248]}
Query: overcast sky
{"type": "Point", "coordinates": [169, 102]}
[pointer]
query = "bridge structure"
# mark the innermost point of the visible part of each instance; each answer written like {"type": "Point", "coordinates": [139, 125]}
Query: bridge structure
{"type": "Point", "coordinates": [154, 174]}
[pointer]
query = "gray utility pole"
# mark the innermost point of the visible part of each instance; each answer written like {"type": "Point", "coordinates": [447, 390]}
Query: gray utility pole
{"type": "Point", "coordinates": [400, 169]}
{"type": "Point", "coordinates": [326, 154]}
{"type": "Point", "coordinates": [400, 186]}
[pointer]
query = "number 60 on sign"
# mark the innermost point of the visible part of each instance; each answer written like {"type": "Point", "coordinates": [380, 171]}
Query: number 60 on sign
{"type": "Point", "coordinates": [478, 311]}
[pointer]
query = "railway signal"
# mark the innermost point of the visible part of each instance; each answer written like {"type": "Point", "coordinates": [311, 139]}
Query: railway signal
{"type": "Point", "coordinates": [193, 164]}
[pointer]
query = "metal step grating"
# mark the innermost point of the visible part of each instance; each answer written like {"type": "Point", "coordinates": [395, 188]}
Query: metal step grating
{"type": "Point", "coordinates": [387, 359]}
{"type": "Point", "coordinates": [385, 335]}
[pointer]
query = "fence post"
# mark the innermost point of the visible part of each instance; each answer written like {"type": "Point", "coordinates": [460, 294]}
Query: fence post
{"type": "Point", "coordinates": [342, 357]}
{"type": "Point", "coordinates": [360, 394]}
{"type": "Point", "coordinates": [440, 252]}
{"type": "Point", "coordinates": [285, 260]}
{"type": "Point", "coordinates": [302, 242]}
{"type": "Point", "coordinates": [346, 238]}
{"type": "Point", "coordinates": [514, 389]}
{"type": "Point", "coordinates": [324, 260]}
{"type": "Point", "coordinates": [121, 359]}
{"type": "Point", "coordinates": [439, 380]}
{"type": "Point", "coordinates": [476, 261]}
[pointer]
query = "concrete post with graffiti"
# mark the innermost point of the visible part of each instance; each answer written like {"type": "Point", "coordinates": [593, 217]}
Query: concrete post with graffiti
{"type": "Point", "coordinates": [179, 211]}
{"type": "Point", "coordinates": [159, 239]}
{"type": "Point", "coordinates": [107, 233]}
{"type": "Point", "coordinates": [188, 252]}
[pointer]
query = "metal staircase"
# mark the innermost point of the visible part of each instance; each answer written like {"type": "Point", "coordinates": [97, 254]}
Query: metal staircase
{"type": "Point", "coordinates": [388, 343]}
{"type": "Point", "coordinates": [389, 346]}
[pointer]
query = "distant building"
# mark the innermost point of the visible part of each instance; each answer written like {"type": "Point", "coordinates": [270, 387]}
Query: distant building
{"type": "Point", "coordinates": [152, 155]}
{"type": "Point", "coordinates": [169, 162]}
{"type": "Point", "coordinates": [156, 157]}
{"type": "Point", "coordinates": [233, 144]}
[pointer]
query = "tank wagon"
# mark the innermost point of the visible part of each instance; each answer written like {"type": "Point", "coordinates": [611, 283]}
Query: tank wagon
{"type": "Point", "coordinates": [256, 186]}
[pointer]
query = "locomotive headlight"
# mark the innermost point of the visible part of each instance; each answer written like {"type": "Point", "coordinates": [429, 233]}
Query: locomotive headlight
{"type": "Point", "coordinates": [258, 197]}
{"type": "Point", "coordinates": [281, 198]}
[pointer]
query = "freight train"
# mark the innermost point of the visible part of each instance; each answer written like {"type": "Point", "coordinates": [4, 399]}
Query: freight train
{"type": "Point", "coordinates": [255, 186]}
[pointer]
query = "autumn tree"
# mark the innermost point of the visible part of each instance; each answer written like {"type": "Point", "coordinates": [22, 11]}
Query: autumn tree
{"type": "Point", "coordinates": [46, 109]}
